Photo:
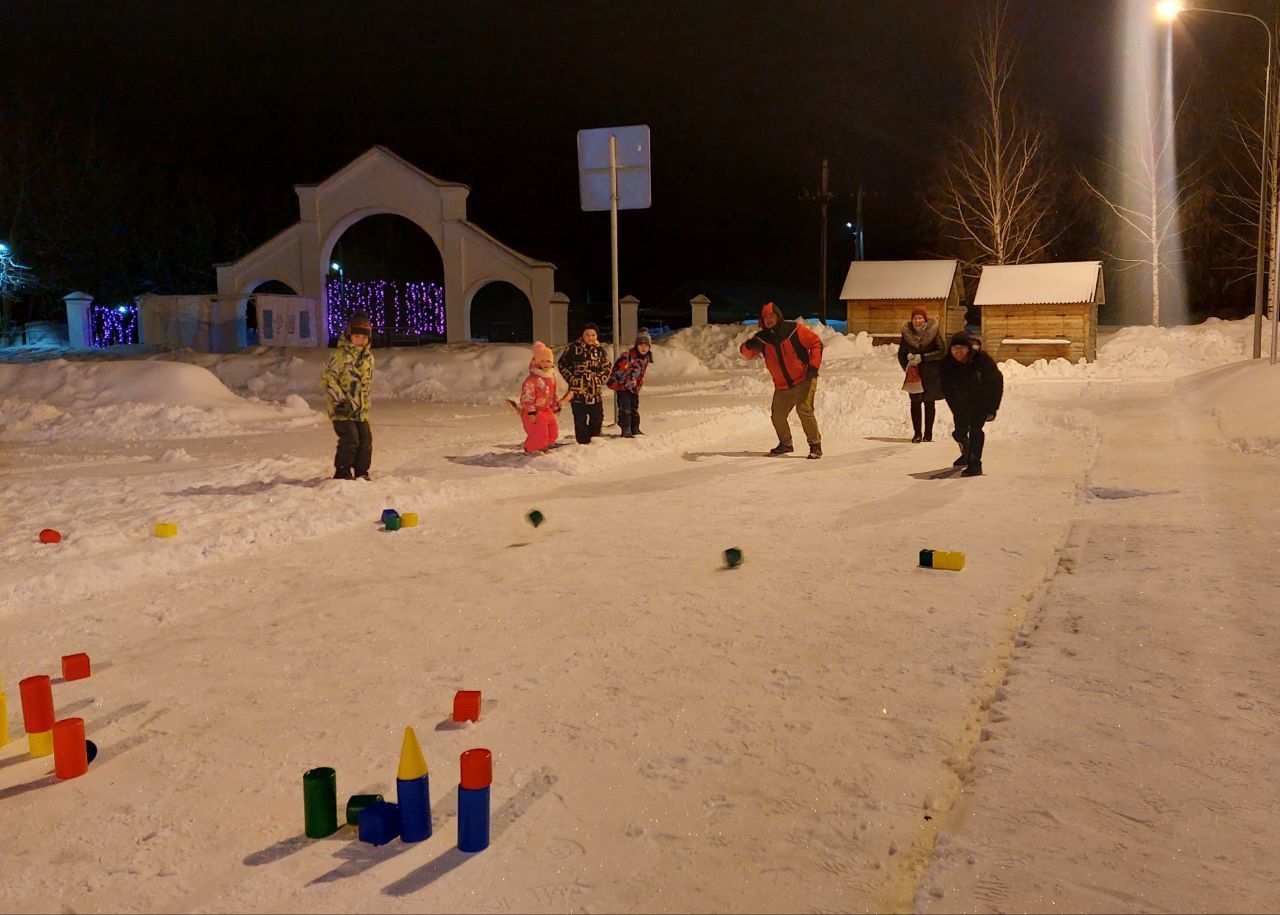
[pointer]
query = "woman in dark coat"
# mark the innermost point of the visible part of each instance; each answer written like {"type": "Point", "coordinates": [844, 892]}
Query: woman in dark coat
{"type": "Point", "coordinates": [921, 345]}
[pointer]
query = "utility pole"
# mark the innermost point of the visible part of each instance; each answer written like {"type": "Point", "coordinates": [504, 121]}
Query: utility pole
{"type": "Point", "coordinates": [862, 253]}
{"type": "Point", "coordinates": [823, 197]}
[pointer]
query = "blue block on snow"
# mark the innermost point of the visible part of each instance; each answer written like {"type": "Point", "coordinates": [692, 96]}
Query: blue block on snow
{"type": "Point", "coordinates": [380, 823]}
{"type": "Point", "coordinates": [389, 513]}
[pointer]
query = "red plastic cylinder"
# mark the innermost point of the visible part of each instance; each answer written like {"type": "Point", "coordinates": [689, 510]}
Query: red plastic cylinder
{"type": "Point", "coordinates": [466, 705]}
{"type": "Point", "coordinates": [477, 769]}
{"type": "Point", "coordinates": [49, 535]}
{"type": "Point", "coordinates": [70, 752]}
{"type": "Point", "coordinates": [37, 703]}
{"type": "Point", "coordinates": [75, 666]}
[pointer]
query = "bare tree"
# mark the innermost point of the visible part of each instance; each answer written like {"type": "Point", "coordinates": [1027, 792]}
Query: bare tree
{"type": "Point", "coordinates": [996, 195]}
{"type": "Point", "coordinates": [1241, 195]}
{"type": "Point", "coordinates": [1148, 191]}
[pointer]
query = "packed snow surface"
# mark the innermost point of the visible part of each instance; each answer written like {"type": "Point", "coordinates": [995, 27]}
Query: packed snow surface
{"type": "Point", "coordinates": [1079, 720]}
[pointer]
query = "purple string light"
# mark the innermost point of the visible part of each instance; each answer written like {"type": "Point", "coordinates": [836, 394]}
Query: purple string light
{"type": "Point", "coordinates": [412, 309]}
{"type": "Point", "coordinates": [113, 325]}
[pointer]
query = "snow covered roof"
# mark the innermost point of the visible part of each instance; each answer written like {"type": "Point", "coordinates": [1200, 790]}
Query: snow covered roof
{"type": "Point", "coordinates": [930, 279]}
{"type": "Point", "coordinates": [1039, 284]}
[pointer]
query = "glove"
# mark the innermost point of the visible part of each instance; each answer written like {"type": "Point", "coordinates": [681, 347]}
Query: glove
{"type": "Point", "coordinates": [991, 417]}
{"type": "Point", "coordinates": [913, 359]}
{"type": "Point", "coordinates": [754, 345]}
{"type": "Point", "coordinates": [811, 372]}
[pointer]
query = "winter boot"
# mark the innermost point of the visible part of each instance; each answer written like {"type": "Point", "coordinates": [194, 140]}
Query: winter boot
{"type": "Point", "coordinates": [782, 448]}
{"type": "Point", "coordinates": [973, 470]}
{"type": "Point", "coordinates": [624, 423]}
{"type": "Point", "coordinates": [343, 473]}
{"type": "Point", "coordinates": [961, 461]}
{"type": "Point", "coordinates": [364, 476]}
{"type": "Point", "coordinates": [815, 450]}
{"type": "Point", "coordinates": [915, 439]}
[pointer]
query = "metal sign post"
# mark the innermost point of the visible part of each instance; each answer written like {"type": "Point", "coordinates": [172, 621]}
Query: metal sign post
{"type": "Point", "coordinates": [613, 174]}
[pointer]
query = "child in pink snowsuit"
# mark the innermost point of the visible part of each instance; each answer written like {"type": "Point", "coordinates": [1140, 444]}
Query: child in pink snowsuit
{"type": "Point", "coordinates": [538, 402]}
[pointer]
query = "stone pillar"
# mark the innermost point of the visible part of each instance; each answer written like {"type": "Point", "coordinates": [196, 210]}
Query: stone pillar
{"type": "Point", "coordinates": [699, 304]}
{"type": "Point", "coordinates": [628, 318]}
{"type": "Point", "coordinates": [558, 328]}
{"type": "Point", "coordinates": [79, 328]}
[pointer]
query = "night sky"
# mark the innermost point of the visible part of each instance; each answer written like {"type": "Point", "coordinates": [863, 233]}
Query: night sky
{"type": "Point", "coordinates": [743, 99]}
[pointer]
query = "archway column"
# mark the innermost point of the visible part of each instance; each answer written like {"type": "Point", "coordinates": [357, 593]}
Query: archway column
{"type": "Point", "coordinates": [553, 330]}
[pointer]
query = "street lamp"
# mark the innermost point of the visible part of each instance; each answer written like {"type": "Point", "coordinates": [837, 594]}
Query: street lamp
{"type": "Point", "coordinates": [1168, 10]}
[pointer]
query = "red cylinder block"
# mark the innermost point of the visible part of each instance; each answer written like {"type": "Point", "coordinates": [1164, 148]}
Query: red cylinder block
{"type": "Point", "coordinates": [466, 705]}
{"type": "Point", "coordinates": [37, 704]}
{"type": "Point", "coordinates": [49, 535]}
{"type": "Point", "coordinates": [70, 752]}
{"type": "Point", "coordinates": [477, 769]}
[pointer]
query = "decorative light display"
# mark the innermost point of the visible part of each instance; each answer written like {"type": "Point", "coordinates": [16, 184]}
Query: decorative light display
{"type": "Point", "coordinates": [113, 325]}
{"type": "Point", "coordinates": [410, 309]}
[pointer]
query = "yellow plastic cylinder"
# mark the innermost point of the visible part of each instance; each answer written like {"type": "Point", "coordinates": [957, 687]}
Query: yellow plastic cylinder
{"type": "Point", "coordinates": [40, 744]}
{"type": "Point", "coordinates": [948, 559]}
{"type": "Point", "coordinates": [4, 720]}
{"type": "Point", "coordinates": [409, 519]}
{"type": "Point", "coordinates": [166, 530]}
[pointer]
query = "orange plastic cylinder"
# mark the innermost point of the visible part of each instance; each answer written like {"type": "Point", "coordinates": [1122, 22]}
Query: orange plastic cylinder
{"type": "Point", "coordinates": [477, 769]}
{"type": "Point", "coordinates": [37, 703]}
{"type": "Point", "coordinates": [70, 753]}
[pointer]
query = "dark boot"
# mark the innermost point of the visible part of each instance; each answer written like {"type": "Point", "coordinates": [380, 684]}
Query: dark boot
{"type": "Point", "coordinates": [815, 450]}
{"type": "Point", "coordinates": [961, 461]}
{"type": "Point", "coordinates": [782, 448]}
{"type": "Point", "coordinates": [343, 473]}
{"type": "Point", "coordinates": [973, 470]}
{"type": "Point", "coordinates": [635, 423]}
{"type": "Point", "coordinates": [624, 423]}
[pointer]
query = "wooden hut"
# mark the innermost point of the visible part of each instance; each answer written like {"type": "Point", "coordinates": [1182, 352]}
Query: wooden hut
{"type": "Point", "coordinates": [1041, 311]}
{"type": "Point", "coordinates": [879, 296]}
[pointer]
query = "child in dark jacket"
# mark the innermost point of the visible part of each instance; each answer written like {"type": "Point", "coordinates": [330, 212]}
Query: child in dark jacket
{"type": "Point", "coordinates": [974, 387]}
{"type": "Point", "coordinates": [627, 378]}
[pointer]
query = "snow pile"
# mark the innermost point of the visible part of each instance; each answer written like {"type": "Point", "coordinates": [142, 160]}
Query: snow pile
{"type": "Point", "coordinates": [1172, 351]}
{"type": "Point", "coordinates": [717, 345]}
{"type": "Point", "coordinates": [60, 400]}
{"type": "Point", "coordinates": [1242, 398]}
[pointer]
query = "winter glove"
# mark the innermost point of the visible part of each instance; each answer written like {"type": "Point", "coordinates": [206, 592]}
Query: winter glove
{"type": "Point", "coordinates": [913, 359]}
{"type": "Point", "coordinates": [754, 345]}
{"type": "Point", "coordinates": [811, 372]}
{"type": "Point", "coordinates": [991, 417]}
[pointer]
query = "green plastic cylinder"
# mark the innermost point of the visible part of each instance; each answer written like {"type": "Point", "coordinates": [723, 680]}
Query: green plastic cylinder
{"type": "Point", "coordinates": [358, 802]}
{"type": "Point", "coordinates": [320, 802]}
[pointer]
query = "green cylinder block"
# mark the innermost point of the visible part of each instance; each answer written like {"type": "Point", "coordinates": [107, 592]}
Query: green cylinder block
{"type": "Point", "coordinates": [320, 801]}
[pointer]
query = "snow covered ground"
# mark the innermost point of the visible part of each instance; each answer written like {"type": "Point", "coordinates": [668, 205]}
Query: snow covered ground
{"type": "Point", "coordinates": [1083, 719]}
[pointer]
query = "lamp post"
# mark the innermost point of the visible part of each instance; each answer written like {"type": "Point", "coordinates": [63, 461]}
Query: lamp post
{"type": "Point", "coordinates": [1168, 10]}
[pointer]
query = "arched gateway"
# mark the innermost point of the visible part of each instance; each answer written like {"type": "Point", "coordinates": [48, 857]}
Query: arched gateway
{"type": "Point", "coordinates": [379, 181]}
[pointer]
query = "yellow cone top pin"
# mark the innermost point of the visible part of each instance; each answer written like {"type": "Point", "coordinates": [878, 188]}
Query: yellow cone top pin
{"type": "Point", "coordinates": [412, 763]}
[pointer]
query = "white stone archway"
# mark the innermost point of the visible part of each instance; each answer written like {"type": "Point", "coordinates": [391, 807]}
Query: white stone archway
{"type": "Point", "coordinates": [379, 182]}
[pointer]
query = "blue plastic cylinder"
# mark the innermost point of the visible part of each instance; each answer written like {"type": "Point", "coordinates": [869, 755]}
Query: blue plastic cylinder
{"type": "Point", "coordinates": [473, 819]}
{"type": "Point", "coordinates": [414, 798]}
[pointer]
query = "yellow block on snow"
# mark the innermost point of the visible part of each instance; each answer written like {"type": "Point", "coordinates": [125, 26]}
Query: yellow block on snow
{"type": "Point", "coordinates": [166, 530]}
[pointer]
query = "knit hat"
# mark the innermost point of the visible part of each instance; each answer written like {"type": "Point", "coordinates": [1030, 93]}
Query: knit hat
{"type": "Point", "coordinates": [770, 307]}
{"type": "Point", "coordinates": [643, 337]}
{"type": "Point", "coordinates": [591, 325]}
{"type": "Point", "coordinates": [921, 311]}
{"type": "Point", "coordinates": [360, 324]}
{"type": "Point", "coordinates": [960, 338]}
{"type": "Point", "coordinates": [541, 351]}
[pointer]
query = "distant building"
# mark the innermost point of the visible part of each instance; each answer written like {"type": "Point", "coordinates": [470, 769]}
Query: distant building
{"type": "Point", "coordinates": [879, 296]}
{"type": "Point", "coordinates": [1041, 311]}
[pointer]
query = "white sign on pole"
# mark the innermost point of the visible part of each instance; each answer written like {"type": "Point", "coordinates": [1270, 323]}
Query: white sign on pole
{"type": "Point", "coordinates": [595, 182]}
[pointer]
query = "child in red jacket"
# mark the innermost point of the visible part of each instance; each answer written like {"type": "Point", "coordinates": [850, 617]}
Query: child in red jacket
{"type": "Point", "coordinates": [538, 403]}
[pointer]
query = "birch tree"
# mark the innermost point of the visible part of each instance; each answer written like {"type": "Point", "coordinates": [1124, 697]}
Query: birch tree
{"type": "Point", "coordinates": [1146, 189]}
{"type": "Point", "coordinates": [1241, 196]}
{"type": "Point", "coordinates": [996, 196]}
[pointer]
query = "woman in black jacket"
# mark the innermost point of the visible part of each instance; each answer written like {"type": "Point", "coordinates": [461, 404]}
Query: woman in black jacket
{"type": "Point", "coordinates": [921, 345]}
{"type": "Point", "coordinates": [974, 387]}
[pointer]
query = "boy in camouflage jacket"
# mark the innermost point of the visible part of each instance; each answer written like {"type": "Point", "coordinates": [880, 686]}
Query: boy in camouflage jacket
{"type": "Point", "coordinates": [585, 366]}
{"type": "Point", "coordinates": [348, 377]}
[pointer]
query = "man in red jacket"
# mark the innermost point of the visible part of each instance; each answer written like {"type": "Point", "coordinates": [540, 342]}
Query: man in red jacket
{"type": "Point", "coordinates": [792, 354]}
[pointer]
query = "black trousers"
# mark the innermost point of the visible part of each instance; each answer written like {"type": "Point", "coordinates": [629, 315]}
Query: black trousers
{"type": "Point", "coordinates": [930, 411]}
{"type": "Point", "coordinates": [587, 420]}
{"type": "Point", "coordinates": [355, 447]}
{"type": "Point", "coordinates": [969, 435]}
{"type": "Point", "coordinates": [629, 412]}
